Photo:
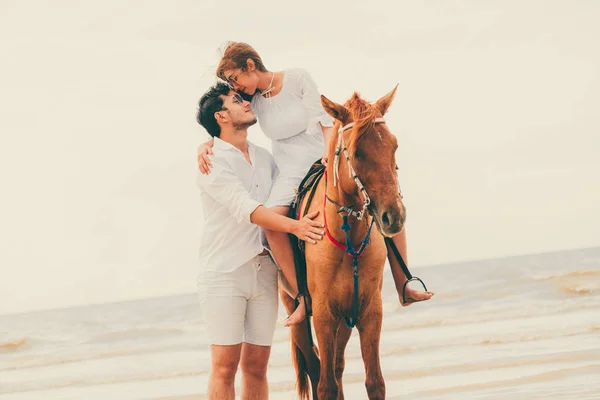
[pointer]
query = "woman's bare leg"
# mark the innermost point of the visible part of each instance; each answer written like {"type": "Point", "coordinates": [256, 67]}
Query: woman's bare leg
{"type": "Point", "coordinates": [284, 257]}
{"type": "Point", "coordinates": [412, 295]}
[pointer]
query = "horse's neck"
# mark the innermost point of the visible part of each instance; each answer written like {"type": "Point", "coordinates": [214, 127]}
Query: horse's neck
{"type": "Point", "coordinates": [334, 220]}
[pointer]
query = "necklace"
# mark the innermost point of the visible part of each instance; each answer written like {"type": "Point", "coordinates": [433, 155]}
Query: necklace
{"type": "Point", "coordinates": [270, 88]}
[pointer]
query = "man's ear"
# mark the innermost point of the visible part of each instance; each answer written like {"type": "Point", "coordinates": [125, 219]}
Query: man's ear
{"type": "Point", "coordinates": [250, 65]}
{"type": "Point", "coordinates": [220, 116]}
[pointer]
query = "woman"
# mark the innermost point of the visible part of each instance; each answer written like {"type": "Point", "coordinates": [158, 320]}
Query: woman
{"type": "Point", "coordinates": [288, 107]}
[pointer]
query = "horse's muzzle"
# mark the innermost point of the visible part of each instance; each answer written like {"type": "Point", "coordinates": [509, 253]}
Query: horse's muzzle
{"type": "Point", "coordinates": [391, 220]}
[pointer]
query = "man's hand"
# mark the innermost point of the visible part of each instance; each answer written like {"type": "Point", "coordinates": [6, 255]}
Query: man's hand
{"type": "Point", "coordinates": [325, 159]}
{"type": "Point", "coordinates": [204, 151]}
{"type": "Point", "coordinates": [308, 230]}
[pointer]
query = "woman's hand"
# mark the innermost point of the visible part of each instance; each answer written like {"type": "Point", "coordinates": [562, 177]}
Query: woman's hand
{"type": "Point", "coordinates": [308, 230]}
{"type": "Point", "coordinates": [204, 151]}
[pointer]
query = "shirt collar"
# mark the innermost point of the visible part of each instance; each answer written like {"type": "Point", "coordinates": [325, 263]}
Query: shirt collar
{"type": "Point", "coordinates": [223, 145]}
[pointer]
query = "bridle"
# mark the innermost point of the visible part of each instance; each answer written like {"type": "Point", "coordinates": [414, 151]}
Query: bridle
{"type": "Point", "coordinates": [348, 248]}
{"type": "Point", "coordinates": [341, 147]}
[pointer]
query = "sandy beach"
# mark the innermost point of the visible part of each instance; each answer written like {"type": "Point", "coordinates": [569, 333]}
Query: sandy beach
{"type": "Point", "coordinates": [514, 328]}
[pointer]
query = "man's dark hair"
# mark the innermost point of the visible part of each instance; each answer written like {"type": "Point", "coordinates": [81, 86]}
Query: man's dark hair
{"type": "Point", "coordinates": [210, 103]}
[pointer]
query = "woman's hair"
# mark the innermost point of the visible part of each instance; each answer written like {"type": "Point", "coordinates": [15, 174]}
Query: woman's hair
{"type": "Point", "coordinates": [236, 55]}
{"type": "Point", "coordinates": [210, 103]}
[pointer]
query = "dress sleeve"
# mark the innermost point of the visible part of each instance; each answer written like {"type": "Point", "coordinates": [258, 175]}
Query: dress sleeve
{"type": "Point", "coordinates": [312, 101]}
{"type": "Point", "coordinates": [274, 169]}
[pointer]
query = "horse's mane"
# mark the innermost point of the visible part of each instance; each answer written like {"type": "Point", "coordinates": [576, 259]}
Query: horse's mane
{"type": "Point", "coordinates": [363, 115]}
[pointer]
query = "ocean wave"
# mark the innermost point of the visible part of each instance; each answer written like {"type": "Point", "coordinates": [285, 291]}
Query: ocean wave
{"type": "Point", "coordinates": [387, 351]}
{"type": "Point", "coordinates": [475, 341]}
{"type": "Point", "coordinates": [199, 396]}
{"type": "Point", "coordinates": [403, 375]}
{"type": "Point", "coordinates": [503, 382]}
{"type": "Point", "coordinates": [578, 288]}
{"type": "Point", "coordinates": [568, 275]}
{"type": "Point", "coordinates": [468, 367]}
{"type": "Point", "coordinates": [13, 345]}
{"type": "Point", "coordinates": [105, 380]}
{"type": "Point", "coordinates": [544, 336]}
{"type": "Point", "coordinates": [399, 324]}
{"type": "Point", "coordinates": [37, 362]}
{"type": "Point", "coordinates": [289, 385]}
{"type": "Point", "coordinates": [486, 316]}
{"type": "Point", "coordinates": [133, 334]}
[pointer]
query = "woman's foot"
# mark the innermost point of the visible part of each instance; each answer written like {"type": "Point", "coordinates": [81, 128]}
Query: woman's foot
{"type": "Point", "coordinates": [298, 315]}
{"type": "Point", "coordinates": [414, 296]}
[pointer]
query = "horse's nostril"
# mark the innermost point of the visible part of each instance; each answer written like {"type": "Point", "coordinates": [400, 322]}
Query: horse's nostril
{"type": "Point", "coordinates": [385, 218]}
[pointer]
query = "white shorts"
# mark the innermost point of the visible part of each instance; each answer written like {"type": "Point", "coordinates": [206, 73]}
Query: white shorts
{"type": "Point", "coordinates": [242, 305]}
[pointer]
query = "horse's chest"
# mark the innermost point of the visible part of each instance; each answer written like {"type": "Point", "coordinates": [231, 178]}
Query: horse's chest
{"type": "Point", "coordinates": [331, 271]}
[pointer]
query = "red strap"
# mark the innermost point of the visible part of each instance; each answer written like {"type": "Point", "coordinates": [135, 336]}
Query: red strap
{"type": "Point", "coordinates": [331, 238]}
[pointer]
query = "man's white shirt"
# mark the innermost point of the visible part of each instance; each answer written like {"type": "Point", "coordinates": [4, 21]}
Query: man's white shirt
{"type": "Point", "coordinates": [229, 194]}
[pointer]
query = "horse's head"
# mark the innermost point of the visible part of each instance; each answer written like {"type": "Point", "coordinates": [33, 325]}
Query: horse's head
{"type": "Point", "coordinates": [370, 152]}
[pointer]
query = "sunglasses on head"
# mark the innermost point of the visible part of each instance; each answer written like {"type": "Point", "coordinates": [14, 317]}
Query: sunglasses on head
{"type": "Point", "coordinates": [233, 78]}
{"type": "Point", "coordinates": [236, 98]}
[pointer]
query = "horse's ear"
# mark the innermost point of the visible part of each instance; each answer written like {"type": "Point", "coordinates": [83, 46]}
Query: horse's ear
{"type": "Point", "coordinates": [337, 111]}
{"type": "Point", "coordinates": [384, 103]}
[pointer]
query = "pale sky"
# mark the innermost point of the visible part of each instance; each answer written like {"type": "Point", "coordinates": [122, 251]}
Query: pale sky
{"type": "Point", "coordinates": [497, 116]}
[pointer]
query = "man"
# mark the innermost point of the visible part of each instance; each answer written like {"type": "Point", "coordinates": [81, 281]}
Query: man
{"type": "Point", "coordinates": [240, 277]}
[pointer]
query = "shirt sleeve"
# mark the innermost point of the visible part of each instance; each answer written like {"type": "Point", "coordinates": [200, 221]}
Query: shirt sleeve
{"type": "Point", "coordinates": [226, 187]}
{"type": "Point", "coordinates": [312, 101]}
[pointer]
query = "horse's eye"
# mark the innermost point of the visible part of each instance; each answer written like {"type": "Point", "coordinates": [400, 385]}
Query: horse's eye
{"type": "Point", "coordinates": [357, 154]}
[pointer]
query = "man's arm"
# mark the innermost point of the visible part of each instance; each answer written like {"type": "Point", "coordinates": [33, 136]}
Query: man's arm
{"type": "Point", "coordinates": [224, 186]}
{"type": "Point", "coordinates": [204, 151]}
{"type": "Point", "coordinates": [305, 229]}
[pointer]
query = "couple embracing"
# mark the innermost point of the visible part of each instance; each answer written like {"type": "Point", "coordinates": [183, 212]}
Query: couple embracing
{"type": "Point", "coordinates": [246, 193]}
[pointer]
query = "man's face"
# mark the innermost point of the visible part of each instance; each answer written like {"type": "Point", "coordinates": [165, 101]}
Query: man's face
{"type": "Point", "coordinates": [238, 110]}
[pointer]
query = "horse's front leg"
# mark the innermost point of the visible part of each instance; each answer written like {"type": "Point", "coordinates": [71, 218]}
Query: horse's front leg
{"type": "Point", "coordinates": [369, 329]}
{"type": "Point", "coordinates": [343, 335]}
{"type": "Point", "coordinates": [326, 330]}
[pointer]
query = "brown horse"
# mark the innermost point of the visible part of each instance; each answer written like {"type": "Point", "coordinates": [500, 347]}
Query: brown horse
{"type": "Point", "coordinates": [361, 176]}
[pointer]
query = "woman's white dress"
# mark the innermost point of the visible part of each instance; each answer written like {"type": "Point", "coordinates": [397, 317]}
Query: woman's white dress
{"type": "Point", "coordinates": [291, 120]}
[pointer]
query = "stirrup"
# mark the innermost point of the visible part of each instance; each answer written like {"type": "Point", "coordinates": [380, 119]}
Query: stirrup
{"type": "Point", "coordinates": [414, 278]}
